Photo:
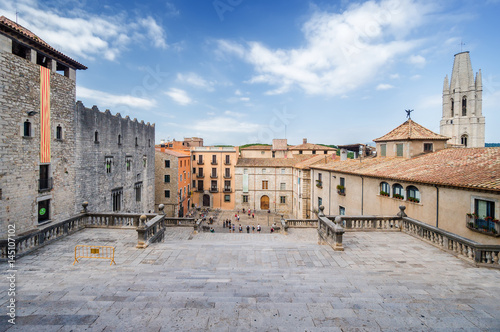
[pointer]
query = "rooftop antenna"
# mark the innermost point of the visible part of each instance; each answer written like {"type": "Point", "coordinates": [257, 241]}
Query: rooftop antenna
{"type": "Point", "coordinates": [16, 14]}
{"type": "Point", "coordinates": [461, 45]}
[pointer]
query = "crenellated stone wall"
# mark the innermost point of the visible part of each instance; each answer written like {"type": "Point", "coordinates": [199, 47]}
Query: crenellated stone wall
{"type": "Point", "coordinates": [122, 141]}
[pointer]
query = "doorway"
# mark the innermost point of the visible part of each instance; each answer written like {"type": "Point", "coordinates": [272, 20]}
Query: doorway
{"type": "Point", "coordinates": [264, 202]}
{"type": "Point", "coordinates": [206, 200]}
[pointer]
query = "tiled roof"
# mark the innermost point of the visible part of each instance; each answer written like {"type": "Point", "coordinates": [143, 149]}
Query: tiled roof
{"type": "Point", "coordinates": [258, 147]}
{"type": "Point", "coordinates": [310, 146]}
{"type": "Point", "coordinates": [410, 130]}
{"type": "Point", "coordinates": [272, 162]}
{"type": "Point", "coordinates": [316, 160]}
{"type": "Point", "coordinates": [15, 30]}
{"type": "Point", "coordinates": [175, 153]}
{"type": "Point", "coordinates": [477, 168]}
{"type": "Point", "coordinates": [280, 144]}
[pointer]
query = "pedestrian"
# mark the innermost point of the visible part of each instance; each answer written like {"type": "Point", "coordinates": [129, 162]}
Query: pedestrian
{"type": "Point", "coordinates": [248, 229]}
{"type": "Point", "coordinates": [253, 215]}
{"type": "Point", "coordinates": [235, 215]}
{"type": "Point", "coordinates": [224, 224]}
{"type": "Point", "coordinates": [258, 228]}
{"type": "Point", "coordinates": [240, 229]}
{"type": "Point", "coordinates": [272, 230]}
{"type": "Point", "coordinates": [233, 228]}
{"type": "Point", "coordinates": [229, 223]}
{"type": "Point", "coordinates": [253, 229]}
{"type": "Point", "coordinates": [238, 217]}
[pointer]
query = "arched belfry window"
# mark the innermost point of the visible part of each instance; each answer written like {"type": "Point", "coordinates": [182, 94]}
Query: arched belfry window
{"type": "Point", "coordinates": [464, 106]}
{"type": "Point", "coordinates": [452, 107]}
{"type": "Point", "coordinates": [464, 140]}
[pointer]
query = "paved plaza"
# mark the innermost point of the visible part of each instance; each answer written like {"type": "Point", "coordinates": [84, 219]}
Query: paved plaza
{"type": "Point", "coordinates": [252, 282]}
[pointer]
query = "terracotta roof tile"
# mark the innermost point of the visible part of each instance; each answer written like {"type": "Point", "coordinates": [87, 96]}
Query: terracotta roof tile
{"type": "Point", "coordinates": [5, 23]}
{"type": "Point", "coordinates": [477, 168]}
{"type": "Point", "coordinates": [310, 146]}
{"type": "Point", "coordinates": [258, 147]}
{"type": "Point", "coordinates": [410, 130]}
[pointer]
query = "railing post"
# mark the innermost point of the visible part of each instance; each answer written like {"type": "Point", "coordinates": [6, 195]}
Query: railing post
{"type": "Point", "coordinates": [141, 233]}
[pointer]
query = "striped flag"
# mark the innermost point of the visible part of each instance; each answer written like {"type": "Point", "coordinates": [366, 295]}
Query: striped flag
{"type": "Point", "coordinates": [44, 115]}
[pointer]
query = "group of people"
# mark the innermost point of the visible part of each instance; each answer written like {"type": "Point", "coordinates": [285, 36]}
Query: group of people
{"type": "Point", "coordinates": [232, 226]}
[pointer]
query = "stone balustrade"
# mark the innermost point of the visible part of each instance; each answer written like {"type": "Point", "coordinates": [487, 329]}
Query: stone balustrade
{"type": "Point", "coordinates": [330, 232]}
{"type": "Point", "coordinates": [150, 231]}
{"type": "Point", "coordinates": [301, 223]}
{"type": "Point", "coordinates": [115, 220]}
{"type": "Point", "coordinates": [370, 223]}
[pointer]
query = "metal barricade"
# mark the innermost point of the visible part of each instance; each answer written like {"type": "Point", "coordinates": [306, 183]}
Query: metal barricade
{"type": "Point", "coordinates": [100, 252]}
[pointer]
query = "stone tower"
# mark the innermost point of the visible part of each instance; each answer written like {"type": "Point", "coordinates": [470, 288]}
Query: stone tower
{"type": "Point", "coordinates": [463, 120]}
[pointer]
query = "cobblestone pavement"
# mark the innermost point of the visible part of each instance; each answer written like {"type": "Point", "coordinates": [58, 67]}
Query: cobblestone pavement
{"type": "Point", "coordinates": [251, 282]}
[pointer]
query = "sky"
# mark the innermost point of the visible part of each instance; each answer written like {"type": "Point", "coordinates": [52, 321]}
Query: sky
{"type": "Point", "coordinates": [245, 71]}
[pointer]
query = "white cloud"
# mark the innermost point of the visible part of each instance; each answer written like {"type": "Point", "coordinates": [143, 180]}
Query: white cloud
{"type": "Point", "coordinates": [237, 92]}
{"type": "Point", "coordinates": [234, 114]}
{"type": "Point", "coordinates": [245, 99]}
{"type": "Point", "coordinates": [417, 60]}
{"type": "Point", "coordinates": [179, 96]}
{"type": "Point", "coordinates": [415, 77]}
{"type": "Point", "coordinates": [383, 86]}
{"type": "Point", "coordinates": [84, 35]}
{"type": "Point", "coordinates": [394, 76]}
{"type": "Point", "coordinates": [224, 125]}
{"type": "Point", "coordinates": [111, 100]}
{"type": "Point", "coordinates": [342, 51]}
{"type": "Point", "coordinates": [196, 81]}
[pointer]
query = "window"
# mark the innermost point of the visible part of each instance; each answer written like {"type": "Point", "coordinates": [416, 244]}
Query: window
{"type": "Point", "coordinates": [282, 199]}
{"type": "Point", "coordinates": [463, 140]}
{"type": "Point", "coordinates": [262, 152]}
{"type": "Point", "coordinates": [149, 142]}
{"type": "Point", "coordinates": [412, 194]}
{"type": "Point", "coordinates": [200, 159]}
{"type": "Point", "coordinates": [194, 170]}
{"type": "Point", "coordinates": [136, 141]}
{"type": "Point", "coordinates": [383, 150]}
{"type": "Point", "coordinates": [227, 198]}
{"type": "Point", "coordinates": [484, 209]}
{"type": "Point", "coordinates": [282, 186]}
{"type": "Point", "coordinates": [200, 185]}
{"type": "Point", "coordinates": [109, 164]}
{"type": "Point", "coordinates": [128, 163]}
{"type": "Point", "coordinates": [274, 154]}
{"type": "Point", "coordinates": [227, 186]}
{"type": "Point", "coordinates": [397, 191]}
{"type": "Point", "coordinates": [194, 183]}
{"type": "Point", "coordinates": [228, 159]}
{"type": "Point", "coordinates": [200, 172]}
{"type": "Point", "coordinates": [227, 173]}
{"type": "Point", "coordinates": [341, 186]}
{"type": "Point", "coordinates": [245, 198]}
{"type": "Point", "coordinates": [452, 107]}
{"type": "Point", "coordinates": [214, 172]}
{"type": "Point", "coordinates": [27, 128]}
{"type": "Point", "coordinates": [282, 171]}
{"type": "Point", "coordinates": [214, 159]}
{"type": "Point", "coordinates": [194, 158]}
{"type": "Point", "coordinates": [320, 201]}
{"type": "Point", "coordinates": [96, 137]}
{"type": "Point", "coordinates": [166, 178]}
{"type": "Point", "coordinates": [265, 184]}
{"type": "Point", "coordinates": [167, 193]}
{"type": "Point", "coordinates": [300, 151]}
{"type": "Point", "coordinates": [263, 171]}
{"type": "Point", "coordinates": [167, 163]}
{"type": "Point", "coordinates": [464, 106]}
{"type": "Point", "coordinates": [59, 132]}
{"type": "Point", "coordinates": [320, 177]}
{"type": "Point", "coordinates": [314, 151]}
{"type": "Point", "coordinates": [138, 190]}
{"type": "Point", "coordinates": [116, 198]}
{"type": "Point", "coordinates": [399, 149]}
{"type": "Point", "coordinates": [341, 210]}
{"type": "Point", "coordinates": [325, 152]}
{"type": "Point", "coordinates": [428, 147]}
{"type": "Point", "coordinates": [119, 139]}
{"type": "Point", "coordinates": [180, 178]}
{"type": "Point", "coordinates": [245, 171]}
{"type": "Point", "coordinates": [213, 186]}
{"type": "Point", "coordinates": [145, 161]}
{"type": "Point", "coordinates": [44, 211]}
{"type": "Point", "coordinates": [45, 182]}
{"type": "Point", "coordinates": [385, 189]}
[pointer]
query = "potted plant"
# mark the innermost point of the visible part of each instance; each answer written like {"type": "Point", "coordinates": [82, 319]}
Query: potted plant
{"type": "Point", "coordinates": [319, 184]}
{"type": "Point", "coordinates": [383, 193]}
{"type": "Point", "coordinates": [340, 189]}
{"type": "Point", "coordinates": [398, 196]}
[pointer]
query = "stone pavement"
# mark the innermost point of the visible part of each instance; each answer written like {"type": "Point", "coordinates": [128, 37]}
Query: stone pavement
{"type": "Point", "coordinates": [251, 282]}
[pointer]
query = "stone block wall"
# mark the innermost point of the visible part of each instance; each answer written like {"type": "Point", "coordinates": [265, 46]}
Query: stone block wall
{"type": "Point", "coordinates": [120, 141]}
{"type": "Point", "coordinates": [171, 206]}
{"type": "Point", "coordinates": [20, 156]}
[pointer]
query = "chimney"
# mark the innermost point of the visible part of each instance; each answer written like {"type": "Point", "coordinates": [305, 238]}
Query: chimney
{"type": "Point", "coordinates": [304, 140]}
{"type": "Point", "coordinates": [162, 143]}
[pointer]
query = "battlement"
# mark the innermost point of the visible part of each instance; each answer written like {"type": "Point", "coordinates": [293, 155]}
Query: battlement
{"type": "Point", "coordinates": [108, 115]}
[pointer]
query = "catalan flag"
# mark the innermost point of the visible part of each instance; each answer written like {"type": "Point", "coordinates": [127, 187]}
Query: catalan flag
{"type": "Point", "coordinates": [44, 115]}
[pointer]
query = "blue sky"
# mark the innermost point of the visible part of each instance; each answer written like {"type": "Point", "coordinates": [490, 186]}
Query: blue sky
{"type": "Point", "coordinates": [245, 71]}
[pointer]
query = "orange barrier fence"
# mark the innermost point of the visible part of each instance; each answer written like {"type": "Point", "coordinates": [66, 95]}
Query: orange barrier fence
{"type": "Point", "coordinates": [100, 252]}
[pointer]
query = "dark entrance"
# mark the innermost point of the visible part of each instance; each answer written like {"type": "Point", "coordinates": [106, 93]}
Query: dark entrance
{"type": "Point", "coordinates": [43, 210]}
{"type": "Point", "coordinates": [206, 200]}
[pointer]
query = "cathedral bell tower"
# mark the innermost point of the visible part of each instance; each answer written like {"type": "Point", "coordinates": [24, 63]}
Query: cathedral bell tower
{"type": "Point", "coordinates": [463, 120]}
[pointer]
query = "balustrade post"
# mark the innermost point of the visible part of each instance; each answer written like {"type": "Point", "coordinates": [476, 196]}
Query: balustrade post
{"type": "Point", "coordinates": [142, 233]}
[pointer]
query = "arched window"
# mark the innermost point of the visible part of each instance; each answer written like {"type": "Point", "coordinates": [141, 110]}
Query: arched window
{"type": "Point", "coordinates": [119, 139]}
{"type": "Point", "coordinates": [464, 106]}
{"type": "Point", "coordinates": [385, 189]}
{"type": "Point", "coordinates": [96, 137]}
{"type": "Point", "coordinates": [397, 191]}
{"type": "Point", "coordinates": [58, 132]}
{"type": "Point", "coordinates": [452, 107]}
{"type": "Point", "coordinates": [412, 194]}
{"type": "Point", "coordinates": [27, 128]}
{"type": "Point", "coordinates": [463, 140]}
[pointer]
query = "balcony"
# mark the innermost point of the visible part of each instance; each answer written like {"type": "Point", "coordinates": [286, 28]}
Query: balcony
{"type": "Point", "coordinates": [213, 190]}
{"type": "Point", "coordinates": [214, 162]}
{"type": "Point", "coordinates": [227, 189]}
{"type": "Point", "coordinates": [213, 176]}
{"type": "Point", "coordinates": [45, 184]}
{"type": "Point", "coordinates": [487, 226]}
{"type": "Point", "coordinates": [200, 175]}
{"type": "Point", "coordinates": [227, 176]}
{"type": "Point", "coordinates": [227, 162]}
{"type": "Point", "coordinates": [200, 162]}
{"type": "Point", "coordinates": [199, 189]}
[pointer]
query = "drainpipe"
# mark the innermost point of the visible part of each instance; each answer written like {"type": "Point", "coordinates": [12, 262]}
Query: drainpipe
{"type": "Point", "coordinates": [437, 206]}
{"type": "Point", "coordinates": [362, 192]}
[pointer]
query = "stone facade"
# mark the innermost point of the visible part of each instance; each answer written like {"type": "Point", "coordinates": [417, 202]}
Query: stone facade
{"type": "Point", "coordinates": [166, 182]}
{"type": "Point", "coordinates": [462, 119]}
{"type": "Point", "coordinates": [115, 158]}
{"type": "Point", "coordinates": [20, 157]}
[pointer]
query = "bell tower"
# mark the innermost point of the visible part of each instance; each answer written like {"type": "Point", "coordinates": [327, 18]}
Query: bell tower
{"type": "Point", "coordinates": [463, 119]}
